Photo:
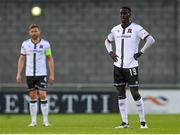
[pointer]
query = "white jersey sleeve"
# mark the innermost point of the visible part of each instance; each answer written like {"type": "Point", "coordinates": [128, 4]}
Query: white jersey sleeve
{"type": "Point", "coordinates": [48, 45]}
{"type": "Point", "coordinates": [48, 49]}
{"type": "Point", "coordinates": [110, 37]}
{"type": "Point", "coordinates": [108, 41]}
{"type": "Point", "coordinates": [142, 33]}
{"type": "Point", "coordinates": [23, 50]}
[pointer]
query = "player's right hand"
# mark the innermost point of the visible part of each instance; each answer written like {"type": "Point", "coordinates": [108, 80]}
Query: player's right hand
{"type": "Point", "coordinates": [113, 56]}
{"type": "Point", "coordinates": [18, 79]}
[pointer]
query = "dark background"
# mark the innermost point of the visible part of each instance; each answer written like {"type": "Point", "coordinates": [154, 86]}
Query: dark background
{"type": "Point", "coordinates": [77, 29]}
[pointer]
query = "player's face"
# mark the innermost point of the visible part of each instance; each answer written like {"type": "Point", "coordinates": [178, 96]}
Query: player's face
{"type": "Point", "coordinates": [124, 15]}
{"type": "Point", "coordinates": [34, 33]}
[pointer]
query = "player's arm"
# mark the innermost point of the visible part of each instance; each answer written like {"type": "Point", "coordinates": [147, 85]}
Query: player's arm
{"type": "Point", "coordinates": [108, 44]}
{"type": "Point", "coordinates": [51, 69]}
{"type": "Point", "coordinates": [21, 62]}
{"type": "Point", "coordinates": [50, 61]}
{"type": "Point", "coordinates": [149, 41]}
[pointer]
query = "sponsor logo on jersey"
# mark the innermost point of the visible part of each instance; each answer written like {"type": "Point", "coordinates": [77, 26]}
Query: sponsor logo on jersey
{"type": "Point", "coordinates": [125, 36]}
{"type": "Point", "coordinates": [36, 51]}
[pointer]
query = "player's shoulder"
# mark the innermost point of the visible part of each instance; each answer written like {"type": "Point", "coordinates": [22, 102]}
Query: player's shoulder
{"type": "Point", "coordinates": [136, 26]}
{"type": "Point", "coordinates": [25, 42]}
{"type": "Point", "coordinates": [44, 41]}
{"type": "Point", "coordinates": [116, 27]}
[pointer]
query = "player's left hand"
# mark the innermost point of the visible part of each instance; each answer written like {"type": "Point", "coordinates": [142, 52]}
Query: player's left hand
{"type": "Point", "coordinates": [137, 55]}
{"type": "Point", "coordinates": [51, 79]}
{"type": "Point", "coordinates": [18, 79]}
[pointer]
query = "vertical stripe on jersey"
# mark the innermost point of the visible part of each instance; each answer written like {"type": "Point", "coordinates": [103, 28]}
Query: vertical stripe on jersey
{"type": "Point", "coordinates": [122, 50]}
{"type": "Point", "coordinates": [34, 62]}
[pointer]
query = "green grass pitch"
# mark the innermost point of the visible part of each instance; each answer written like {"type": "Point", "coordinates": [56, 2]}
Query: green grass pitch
{"type": "Point", "coordinates": [89, 124]}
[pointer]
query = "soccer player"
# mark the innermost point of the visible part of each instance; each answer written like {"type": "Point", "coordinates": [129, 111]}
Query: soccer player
{"type": "Point", "coordinates": [35, 51]}
{"type": "Point", "coordinates": [127, 36]}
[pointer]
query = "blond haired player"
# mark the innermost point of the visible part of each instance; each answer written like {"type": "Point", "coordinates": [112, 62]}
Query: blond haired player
{"type": "Point", "coordinates": [35, 51]}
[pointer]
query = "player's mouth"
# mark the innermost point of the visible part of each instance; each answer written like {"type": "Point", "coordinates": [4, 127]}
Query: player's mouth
{"type": "Point", "coordinates": [34, 36]}
{"type": "Point", "coordinates": [123, 19]}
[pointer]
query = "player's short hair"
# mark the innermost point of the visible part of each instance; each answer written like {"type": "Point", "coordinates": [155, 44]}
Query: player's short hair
{"type": "Point", "coordinates": [126, 7]}
{"type": "Point", "coordinates": [31, 26]}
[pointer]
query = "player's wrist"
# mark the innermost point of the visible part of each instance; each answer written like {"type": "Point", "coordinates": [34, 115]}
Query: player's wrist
{"type": "Point", "coordinates": [51, 76]}
{"type": "Point", "coordinates": [18, 74]}
{"type": "Point", "coordinates": [137, 55]}
{"type": "Point", "coordinates": [112, 54]}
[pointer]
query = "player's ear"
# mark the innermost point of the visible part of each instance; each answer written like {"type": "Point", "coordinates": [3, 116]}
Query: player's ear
{"type": "Point", "coordinates": [28, 33]}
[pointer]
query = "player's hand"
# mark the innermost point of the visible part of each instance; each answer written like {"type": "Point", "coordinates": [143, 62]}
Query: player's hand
{"type": "Point", "coordinates": [113, 56]}
{"type": "Point", "coordinates": [137, 55]}
{"type": "Point", "coordinates": [51, 79]}
{"type": "Point", "coordinates": [18, 79]}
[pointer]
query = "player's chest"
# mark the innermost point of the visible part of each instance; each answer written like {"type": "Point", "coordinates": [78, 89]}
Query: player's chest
{"type": "Point", "coordinates": [126, 34]}
{"type": "Point", "coordinates": [35, 49]}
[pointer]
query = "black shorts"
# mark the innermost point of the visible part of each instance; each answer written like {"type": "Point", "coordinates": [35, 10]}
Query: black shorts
{"type": "Point", "coordinates": [123, 76]}
{"type": "Point", "coordinates": [36, 82]}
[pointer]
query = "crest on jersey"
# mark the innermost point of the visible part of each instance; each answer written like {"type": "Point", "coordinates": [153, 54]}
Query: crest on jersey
{"type": "Point", "coordinates": [41, 46]}
{"type": "Point", "coordinates": [129, 30]}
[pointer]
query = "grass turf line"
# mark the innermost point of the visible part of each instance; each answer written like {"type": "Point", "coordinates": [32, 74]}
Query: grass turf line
{"type": "Point", "coordinates": [89, 124]}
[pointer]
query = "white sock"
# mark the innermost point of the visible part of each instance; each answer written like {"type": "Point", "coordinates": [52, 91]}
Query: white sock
{"type": "Point", "coordinates": [44, 110]}
{"type": "Point", "coordinates": [123, 109]}
{"type": "Point", "coordinates": [33, 111]}
{"type": "Point", "coordinates": [140, 108]}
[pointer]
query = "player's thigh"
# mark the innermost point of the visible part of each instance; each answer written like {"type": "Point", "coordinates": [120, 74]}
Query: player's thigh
{"type": "Point", "coordinates": [132, 77]}
{"type": "Point", "coordinates": [41, 84]}
{"type": "Point", "coordinates": [30, 80]}
{"type": "Point", "coordinates": [31, 87]}
{"type": "Point", "coordinates": [119, 79]}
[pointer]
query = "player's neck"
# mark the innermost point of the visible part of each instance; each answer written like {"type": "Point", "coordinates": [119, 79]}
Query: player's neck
{"type": "Point", "coordinates": [125, 24]}
{"type": "Point", "coordinates": [35, 41]}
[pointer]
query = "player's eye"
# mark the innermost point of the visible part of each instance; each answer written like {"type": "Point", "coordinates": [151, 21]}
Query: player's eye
{"type": "Point", "coordinates": [123, 13]}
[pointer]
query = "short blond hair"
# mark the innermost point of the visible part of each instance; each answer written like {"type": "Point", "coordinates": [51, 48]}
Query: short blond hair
{"type": "Point", "coordinates": [33, 26]}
